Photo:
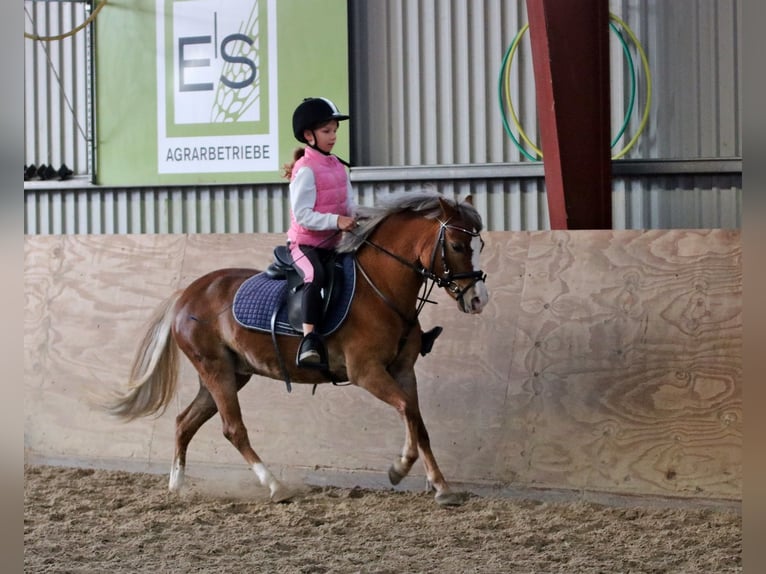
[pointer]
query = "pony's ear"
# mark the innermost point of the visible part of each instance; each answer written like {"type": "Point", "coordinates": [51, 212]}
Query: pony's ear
{"type": "Point", "coordinates": [447, 208]}
{"type": "Point", "coordinates": [469, 200]}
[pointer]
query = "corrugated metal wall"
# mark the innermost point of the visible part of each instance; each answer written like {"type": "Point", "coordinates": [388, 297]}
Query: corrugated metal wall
{"type": "Point", "coordinates": [225, 209]}
{"type": "Point", "coordinates": [506, 204]}
{"type": "Point", "coordinates": [425, 80]}
{"type": "Point", "coordinates": [695, 50]}
{"type": "Point", "coordinates": [424, 87]}
{"type": "Point", "coordinates": [57, 86]}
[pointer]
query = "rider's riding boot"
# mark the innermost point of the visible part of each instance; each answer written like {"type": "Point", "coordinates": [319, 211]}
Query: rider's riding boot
{"type": "Point", "coordinates": [427, 340]}
{"type": "Point", "coordinates": [311, 352]}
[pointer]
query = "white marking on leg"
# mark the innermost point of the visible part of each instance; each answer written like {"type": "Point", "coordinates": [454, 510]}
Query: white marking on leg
{"type": "Point", "coordinates": [176, 477]}
{"type": "Point", "coordinates": [429, 485]}
{"type": "Point", "coordinates": [266, 478]}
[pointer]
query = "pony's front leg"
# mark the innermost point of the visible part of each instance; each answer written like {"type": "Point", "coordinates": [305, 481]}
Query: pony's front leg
{"type": "Point", "coordinates": [402, 466]}
{"type": "Point", "coordinates": [401, 393]}
{"type": "Point", "coordinates": [445, 496]}
{"type": "Point", "coordinates": [417, 438]}
{"type": "Point", "coordinates": [410, 414]}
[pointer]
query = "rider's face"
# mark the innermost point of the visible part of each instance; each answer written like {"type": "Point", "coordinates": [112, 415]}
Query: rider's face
{"type": "Point", "coordinates": [325, 136]}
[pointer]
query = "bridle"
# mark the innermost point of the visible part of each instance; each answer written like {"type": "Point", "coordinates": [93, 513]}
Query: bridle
{"type": "Point", "coordinates": [447, 279]}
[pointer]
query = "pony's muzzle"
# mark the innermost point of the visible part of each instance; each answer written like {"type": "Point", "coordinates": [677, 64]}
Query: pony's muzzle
{"type": "Point", "coordinates": [474, 299]}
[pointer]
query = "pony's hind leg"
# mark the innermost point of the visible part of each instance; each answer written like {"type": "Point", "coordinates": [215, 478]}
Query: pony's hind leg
{"type": "Point", "coordinates": [223, 387]}
{"type": "Point", "coordinates": [188, 423]}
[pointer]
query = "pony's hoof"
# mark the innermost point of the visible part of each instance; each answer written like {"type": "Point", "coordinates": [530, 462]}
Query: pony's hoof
{"type": "Point", "coordinates": [282, 494]}
{"type": "Point", "coordinates": [394, 475]}
{"type": "Point", "coordinates": [450, 498]}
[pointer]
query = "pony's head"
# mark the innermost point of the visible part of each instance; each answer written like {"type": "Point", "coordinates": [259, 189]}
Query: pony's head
{"type": "Point", "coordinates": [457, 252]}
{"type": "Point", "coordinates": [453, 262]}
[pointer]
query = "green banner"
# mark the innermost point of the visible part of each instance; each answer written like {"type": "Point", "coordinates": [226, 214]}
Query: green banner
{"type": "Point", "coordinates": [202, 91]}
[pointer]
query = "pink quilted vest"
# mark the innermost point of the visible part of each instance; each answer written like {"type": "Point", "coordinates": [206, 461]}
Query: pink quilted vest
{"type": "Point", "coordinates": [331, 197]}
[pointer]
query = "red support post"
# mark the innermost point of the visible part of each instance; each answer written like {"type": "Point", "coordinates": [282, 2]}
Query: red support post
{"type": "Point", "coordinates": [570, 57]}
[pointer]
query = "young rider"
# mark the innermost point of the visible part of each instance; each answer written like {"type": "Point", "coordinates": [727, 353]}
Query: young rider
{"type": "Point", "coordinates": [322, 205]}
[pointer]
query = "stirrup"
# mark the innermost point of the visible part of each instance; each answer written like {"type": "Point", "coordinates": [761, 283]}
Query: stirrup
{"type": "Point", "coordinates": [427, 340]}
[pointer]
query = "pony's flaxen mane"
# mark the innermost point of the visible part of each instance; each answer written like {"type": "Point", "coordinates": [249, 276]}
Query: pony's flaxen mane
{"type": "Point", "coordinates": [424, 202]}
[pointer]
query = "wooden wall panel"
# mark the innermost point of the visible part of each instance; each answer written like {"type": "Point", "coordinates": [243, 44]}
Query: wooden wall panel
{"type": "Point", "coordinates": [630, 367]}
{"type": "Point", "coordinates": [606, 361]}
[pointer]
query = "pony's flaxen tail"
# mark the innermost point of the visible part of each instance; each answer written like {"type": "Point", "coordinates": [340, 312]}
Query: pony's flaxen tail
{"type": "Point", "coordinates": [154, 373]}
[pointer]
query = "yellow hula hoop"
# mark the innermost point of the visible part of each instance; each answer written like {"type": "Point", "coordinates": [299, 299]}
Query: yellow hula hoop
{"type": "Point", "coordinates": [648, 73]}
{"type": "Point", "coordinates": [508, 100]}
{"type": "Point", "coordinates": [647, 105]}
{"type": "Point", "coordinates": [72, 32]}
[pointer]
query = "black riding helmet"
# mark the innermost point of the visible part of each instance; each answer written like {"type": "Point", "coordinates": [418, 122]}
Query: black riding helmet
{"type": "Point", "coordinates": [312, 112]}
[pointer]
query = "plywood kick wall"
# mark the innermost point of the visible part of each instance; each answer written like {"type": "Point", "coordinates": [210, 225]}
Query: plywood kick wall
{"type": "Point", "coordinates": [606, 361]}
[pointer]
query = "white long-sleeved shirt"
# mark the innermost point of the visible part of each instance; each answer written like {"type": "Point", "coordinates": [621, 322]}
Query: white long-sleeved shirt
{"type": "Point", "coordinates": [303, 195]}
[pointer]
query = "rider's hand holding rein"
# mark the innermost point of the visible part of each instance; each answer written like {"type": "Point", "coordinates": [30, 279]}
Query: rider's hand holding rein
{"type": "Point", "coordinates": [346, 223]}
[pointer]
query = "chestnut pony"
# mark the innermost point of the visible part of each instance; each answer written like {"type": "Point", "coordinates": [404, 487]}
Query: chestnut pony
{"type": "Point", "coordinates": [403, 247]}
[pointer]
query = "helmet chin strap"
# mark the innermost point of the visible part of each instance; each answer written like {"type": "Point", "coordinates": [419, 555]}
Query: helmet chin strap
{"type": "Point", "coordinates": [314, 146]}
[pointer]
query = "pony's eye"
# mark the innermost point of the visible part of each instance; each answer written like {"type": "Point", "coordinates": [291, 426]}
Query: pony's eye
{"type": "Point", "coordinates": [457, 247]}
